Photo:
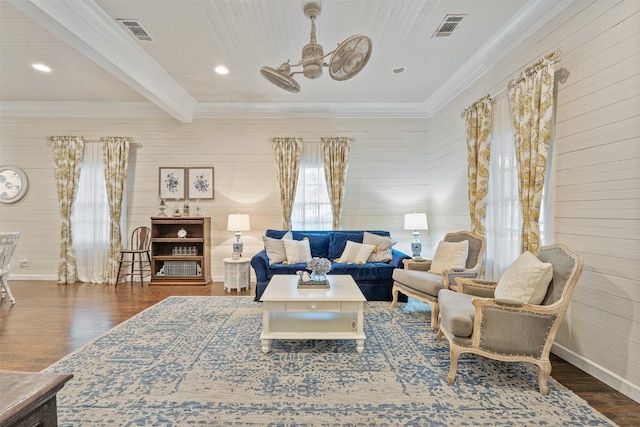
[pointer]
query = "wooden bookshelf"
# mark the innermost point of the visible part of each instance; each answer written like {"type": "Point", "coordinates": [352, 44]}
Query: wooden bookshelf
{"type": "Point", "coordinates": [180, 260]}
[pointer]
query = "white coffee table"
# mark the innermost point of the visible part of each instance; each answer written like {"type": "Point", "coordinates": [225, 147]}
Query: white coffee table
{"type": "Point", "coordinates": [325, 314]}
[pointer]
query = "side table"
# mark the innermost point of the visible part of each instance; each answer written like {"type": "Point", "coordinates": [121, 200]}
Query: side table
{"type": "Point", "coordinates": [236, 273]}
{"type": "Point", "coordinates": [29, 398]}
{"type": "Point", "coordinates": [417, 264]}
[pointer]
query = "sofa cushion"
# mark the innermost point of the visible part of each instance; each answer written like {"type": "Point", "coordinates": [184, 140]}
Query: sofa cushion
{"type": "Point", "coordinates": [383, 245]}
{"type": "Point", "coordinates": [526, 280]}
{"type": "Point", "coordinates": [355, 253]}
{"type": "Point", "coordinates": [421, 281]}
{"type": "Point", "coordinates": [369, 272]}
{"type": "Point", "coordinates": [449, 255]}
{"type": "Point", "coordinates": [275, 248]}
{"type": "Point", "coordinates": [456, 312]}
{"type": "Point", "coordinates": [298, 251]}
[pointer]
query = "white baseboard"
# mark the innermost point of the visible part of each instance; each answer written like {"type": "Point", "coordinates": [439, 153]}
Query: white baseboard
{"type": "Point", "coordinates": [42, 277]}
{"type": "Point", "coordinates": [611, 379]}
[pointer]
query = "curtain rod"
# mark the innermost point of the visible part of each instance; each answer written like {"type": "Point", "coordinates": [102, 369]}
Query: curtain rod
{"type": "Point", "coordinates": [97, 141]}
{"type": "Point", "coordinates": [554, 56]}
{"type": "Point", "coordinates": [311, 140]}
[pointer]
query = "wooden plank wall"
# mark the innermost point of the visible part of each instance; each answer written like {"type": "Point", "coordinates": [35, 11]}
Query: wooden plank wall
{"type": "Point", "coordinates": [597, 176]}
{"type": "Point", "coordinates": [383, 181]}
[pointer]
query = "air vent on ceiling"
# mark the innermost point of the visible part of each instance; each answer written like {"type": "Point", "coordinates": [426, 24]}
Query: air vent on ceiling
{"type": "Point", "coordinates": [447, 26]}
{"type": "Point", "coordinates": [136, 28]}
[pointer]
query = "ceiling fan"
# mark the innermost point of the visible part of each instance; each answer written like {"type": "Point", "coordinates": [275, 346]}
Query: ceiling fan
{"type": "Point", "coordinates": [347, 60]}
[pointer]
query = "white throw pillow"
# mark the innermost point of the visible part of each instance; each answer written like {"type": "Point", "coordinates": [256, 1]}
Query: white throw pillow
{"type": "Point", "coordinates": [357, 253]}
{"type": "Point", "coordinates": [275, 248]}
{"type": "Point", "coordinates": [298, 251]}
{"type": "Point", "coordinates": [526, 280]}
{"type": "Point", "coordinates": [382, 247]}
{"type": "Point", "coordinates": [450, 255]}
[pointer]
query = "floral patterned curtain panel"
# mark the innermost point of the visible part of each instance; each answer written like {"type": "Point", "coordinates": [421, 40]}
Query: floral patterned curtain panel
{"type": "Point", "coordinates": [478, 119]}
{"type": "Point", "coordinates": [287, 153]}
{"type": "Point", "coordinates": [115, 152]}
{"type": "Point", "coordinates": [335, 156]}
{"type": "Point", "coordinates": [531, 97]}
{"type": "Point", "coordinates": [67, 157]}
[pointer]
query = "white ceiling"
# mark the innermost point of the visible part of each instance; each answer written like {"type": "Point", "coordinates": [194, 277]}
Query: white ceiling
{"type": "Point", "coordinates": [99, 68]}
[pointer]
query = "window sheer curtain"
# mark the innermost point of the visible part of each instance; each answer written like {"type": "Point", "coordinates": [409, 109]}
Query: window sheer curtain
{"type": "Point", "coordinates": [335, 154]}
{"type": "Point", "coordinates": [287, 152]}
{"type": "Point", "coordinates": [91, 219]}
{"type": "Point", "coordinates": [503, 207]}
{"type": "Point", "coordinates": [311, 207]}
{"type": "Point", "coordinates": [68, 153]}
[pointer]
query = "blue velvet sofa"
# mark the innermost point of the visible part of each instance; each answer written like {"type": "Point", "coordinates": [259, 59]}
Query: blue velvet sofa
{"type": "Point", "coordinates": [373, 278]}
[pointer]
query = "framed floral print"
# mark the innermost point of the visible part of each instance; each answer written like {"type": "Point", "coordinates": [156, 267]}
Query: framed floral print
{"type": "Point", "coordinates": [172, 183]}
{"type": "Point", "coordinates": [200, 183]}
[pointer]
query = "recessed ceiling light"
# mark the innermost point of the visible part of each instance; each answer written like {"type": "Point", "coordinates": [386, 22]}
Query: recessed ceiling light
{"type": "Point", "coordinates": [41, 67]}
{"type": "Point", "coordinates": [222, 70]}
{"type": "Point", "coordinates": [398, 70]}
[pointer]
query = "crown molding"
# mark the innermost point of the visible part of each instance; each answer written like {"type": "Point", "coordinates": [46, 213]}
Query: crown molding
{"type": "Point", "coordinates": [83, 109]}
{"type": "Point", "coordinates": [87, 27]}
{"type": "Point", "coordinates": [22, 109]}
{"type": "Point", "coordinates": [529, 19]}
{"type": "Point", "coordinates": [302, 110]}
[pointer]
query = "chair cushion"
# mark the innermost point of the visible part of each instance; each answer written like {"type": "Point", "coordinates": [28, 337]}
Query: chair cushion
{"type": "Point", "coordinates": [421, 281]}
{"type": "Point", "coordinates": [449, 255]}
{"type": "Point", "coordinates": [298, 251]}
{"type": "Point", "coordinates": [355, 253]}
{"type": "Point", "coordinates": [275, 248]}
{"type": "Point", "coordinates": [456, 312]}
{"type": "Point", "coordinates": [526, 280]}
{"type": "Point", "coordinates": [383, 245]}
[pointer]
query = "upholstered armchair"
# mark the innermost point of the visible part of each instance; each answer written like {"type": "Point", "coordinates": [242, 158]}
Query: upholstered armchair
{"type": "Point", "coordinates": [425, 285]}
{"type": "Point", "coordinates": [498, 324]}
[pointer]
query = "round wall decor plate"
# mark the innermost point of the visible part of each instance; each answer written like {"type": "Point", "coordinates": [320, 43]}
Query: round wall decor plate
{"type": "Point", "coordinates": [13, 184]}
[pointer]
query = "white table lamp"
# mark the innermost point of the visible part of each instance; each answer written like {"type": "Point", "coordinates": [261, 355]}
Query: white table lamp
{"type": "Point", "coordinates": [238, 223]}
{"type": "Point", "coordinates": [415, 222]}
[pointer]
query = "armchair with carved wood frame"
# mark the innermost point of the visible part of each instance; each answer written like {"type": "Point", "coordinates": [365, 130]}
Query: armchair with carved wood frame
{"type": "Point", "coordinates": [474, 322]}
{"type": "Point", "coordinates": [425, 285]}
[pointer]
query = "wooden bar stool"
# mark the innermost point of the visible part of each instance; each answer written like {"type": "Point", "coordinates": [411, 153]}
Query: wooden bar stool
{"type": "Point", "coordinates": [136, 253]}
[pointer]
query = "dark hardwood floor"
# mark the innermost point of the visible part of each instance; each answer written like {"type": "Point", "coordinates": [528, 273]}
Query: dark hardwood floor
{"type": "Point", "coordinates": [50, 321]}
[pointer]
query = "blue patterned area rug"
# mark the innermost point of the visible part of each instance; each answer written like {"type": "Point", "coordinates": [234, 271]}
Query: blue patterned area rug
{"type": "Point", "coordinates": [198, 361]}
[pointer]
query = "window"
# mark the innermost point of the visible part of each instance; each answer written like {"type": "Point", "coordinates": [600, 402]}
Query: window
{"type": "Point", "coordinates": [90, 218]}
{"type": "Point", "coordinates": [311, 207]}
{"type": "Point", "coordinates": [504, 216]}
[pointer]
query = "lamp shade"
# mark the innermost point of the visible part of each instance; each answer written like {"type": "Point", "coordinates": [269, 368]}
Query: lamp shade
{"type": "Point", "coordinates": [238, 222]}
{"type": "Point", "coordinates": [415, 221]}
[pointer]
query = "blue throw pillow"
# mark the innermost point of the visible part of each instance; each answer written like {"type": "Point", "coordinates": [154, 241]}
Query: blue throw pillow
{"type": "Point", "coordinates": [338, 241]}
{"type": "Point", "coordinates": [319, 243]}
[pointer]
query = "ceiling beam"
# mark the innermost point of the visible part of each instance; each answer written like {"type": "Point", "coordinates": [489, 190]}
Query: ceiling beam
{"type": "Point", "coordinates": [87, 27]}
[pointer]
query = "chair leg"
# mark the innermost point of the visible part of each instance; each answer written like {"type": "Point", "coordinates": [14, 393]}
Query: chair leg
{"type": "Point", "coordinates": [141, 269]}
{"type": "Point", "coordinates": [453, 367]}
{"type": "Point", "coordinates": [119, 268]}
{"type": "Point", "coordinates": [435, 309]}
{"type": "Point", "coordinates": [543, 376]}
{"type": "Point", "coordinates": [6, 289]}
{"type": "Point", "coordinates": [394, 293]}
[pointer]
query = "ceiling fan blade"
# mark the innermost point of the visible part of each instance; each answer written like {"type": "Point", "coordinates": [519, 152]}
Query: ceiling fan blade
{"type": "Point", "coordinates": [280, 79]}
{"type": "Point", "coordinates": [350, 57]}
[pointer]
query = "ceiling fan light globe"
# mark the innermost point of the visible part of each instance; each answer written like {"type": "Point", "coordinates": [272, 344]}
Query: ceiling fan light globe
{"type": "Point", "coordinates": [312, 70]}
